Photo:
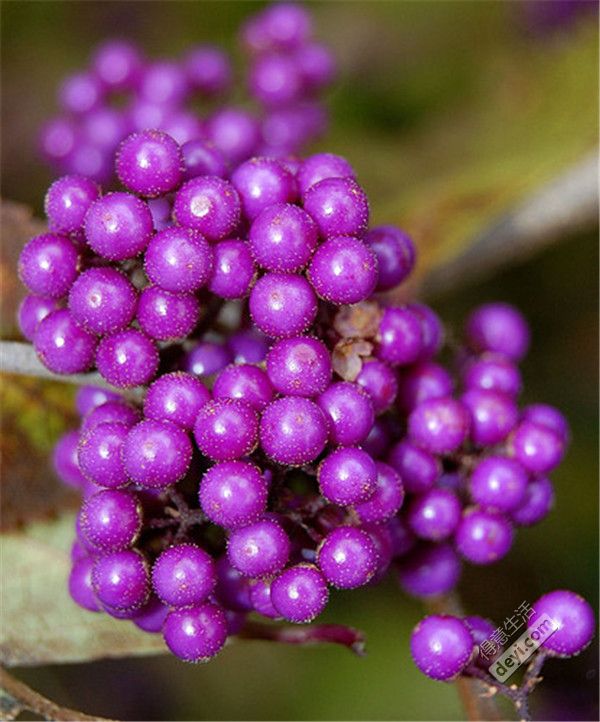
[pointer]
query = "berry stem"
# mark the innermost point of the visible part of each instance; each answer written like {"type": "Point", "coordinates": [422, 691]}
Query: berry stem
{"type": "Point", "coordinates": [348, 637]}
{"type": "Point", "coordinates": [16, 697]}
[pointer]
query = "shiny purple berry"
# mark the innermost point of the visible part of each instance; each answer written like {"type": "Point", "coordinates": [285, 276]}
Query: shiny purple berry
{"type": "Point", "coordinates": [347, 476]}
{"type": "Point", "coordinates": [33, 310]}
{"type": "Point", "coordinates": [536, 447]}
{"type": "Point", "coordinates": [127, 358]}
{"type": "Point", "coordinates": [118, 226]}
{"type": "Point", "coordinates": [208, 204]}
{"type": "Point", "coordinates": [121, 580]}
{"type": "Point", "coordinates": [493, 372]}
{"type": "Point", "coordinates": [395, 253]}
{"type": "Point", "coordinates": [493, 416]}
{"type": "Point", "coordinates": [343, 270]}
{"type": "Point", "coordinates": [574, 617]}
{"type": "Point", "coordinates": [418, 469]}
{"type": "Point", "coordinates": [347, 557]}
{"type": "Point", "coordinates": [379, 381]}
{"type": "Point", "coordinates": [246, 383]}
{"type": "Point", "coordinates": [498, 483]}
{"type": "Point", "coordinates": [259, 549]}
{"type": "Point", "coordinates": [262, 182]}
{"type": "Point", "coordinates": [429, 570]}
{"type": "Point", "coordinates": [434, 515]}
{"type": "Point", "coordinates": [176, 397]}
{"type": "Point", "coordinates": [439, 425]}
{"type": "Point", "coordinates": [283, 305]}
{"type": "Point", "coordinates": [48, 265]}
{"type": "Point", "coordinates": [339, 207]}
{"type": "Point", "coordinates": [283, 237]}
{"type": "Point", "coordinates": [196, 633]}
{"type": "Point", "coordinates": [164, 315]}
{"type": "Point", "coordinates": [233, 494]}
{"type": "Point", "coordinates": [400, 336]}
{"type": "Point", "coordinates": [99, 454]}
{"type": "Point", "coordinates": [179, 260]}
{"type": "Point", "coordinates": [62, 345]}
{"type": "Point", "coordinates": [537, 502]}
{"type": "Point", "coordinates": [67, 201]}
{"type": "Point", "coordinates": [183, 574]}
{"type": "Point", "coordinates": [111, 519]}
{"type": "Point", "coordinates": [387, 498]}
{"type": "Point", "coordinates": [80, 584]}
{"type": "Point", "coordinates": [65, 462]}
{"type": "Point", "coordinates": [226, 429]}
{"type": "Point", "coordinates": [483, 537]}
{"type": "Point", "coordinates": [299, 366]}
{"type": "Point", "coordinates": [102, 300]}
{"type": "Point", "coordinates": [299, 593]}
{"type": "Point", "coordinates": [349, 412]}
{"type": "Point", "coordinates": [320, 166]}
{"type": "Point", "coordinates": [441, 646]}
{"type": "Point", "coordinates": [149, 163]}
{"type": "Point", "coordinates": [233, 271]}
{"type": "Point", "coordinates": [293, 430]}
{"type": "Point", "coordinates": [207, 358]}
{"type": "Point", "coordinates": [498, 327]}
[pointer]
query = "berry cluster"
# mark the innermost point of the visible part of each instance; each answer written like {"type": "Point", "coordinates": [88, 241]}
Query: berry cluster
{"type": "Point", "coordinates": [444, 646]}
{"type": "Point", "coordinates": [280, 428]}
{"type": "Point", "coordinates": [123, 92]}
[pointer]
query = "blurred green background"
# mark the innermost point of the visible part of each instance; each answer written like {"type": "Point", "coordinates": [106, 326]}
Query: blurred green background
{"type": "Point", "coordinates": [450, 112]}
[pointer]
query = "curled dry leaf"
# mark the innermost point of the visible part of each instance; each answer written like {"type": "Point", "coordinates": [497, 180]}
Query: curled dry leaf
{"type": "Point", "coordinates": [358, 321]}
{"type": "Point", "coordinates": [348, 355]}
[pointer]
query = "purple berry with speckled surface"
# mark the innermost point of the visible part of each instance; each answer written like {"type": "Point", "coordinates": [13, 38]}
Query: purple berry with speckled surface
{"type": "Point", "coordinates": [418, 469]}
{"type": "Point", "coordinates": [62, 345]}
{"type": "Point", "coordinates": [156, 454]}
{"type": "Point", "coordinates": [498, 483]}
{"type": "Point", "coordinates": [574, 617]}
{"type": "Point", "coordinates": [483, 537]}
{"type": "Point", "coordinates": [283, 237]}
{"type": "Point", "coordinates": [120, 580]}
{"type": "Point", "coordinates": [379, 381]}
{"type": "Point", "coordinates": [493, 416]}
{"type": "Point", "coordinates": [439, 425]}
{"type": "Point", "coordinates": [197, 633]}
{"type": "Point", "coordinates": [48, 265]}
{"type": "Point", "coordinates": [127, 358]}
{"type": "Point", "coordinates": [183, 574]}
{"type": "Point", "coordinates": [400, 336]}
{"type": "Point", "coordinates": [118, 226]}
{"type": "Point", "coordinates": [179, 260]}
{"type": "Point", "coordinates": [262, 182]}
{"type": "Point", "coordinates": [233, 494]}
{"type": "Point", "coordinates": [246, 383]}
{"type": "Point", "coordinates": [164, 315]}
{"type": "Point", "coordinates": [441, 646]}
{"type": "Point", "coordinates": [176, 397]}
{"type": "Point", "coordinates": [537, 503]}
{"type": "Point", "coordinates": [343, 270]}
{"type": "Point", "coordinates": [429, 570]}
{"type": "Point", "coordinates": [102, 300]}
{"type": "Point", "coordinates": [347, 557]}
{"type": "Point", "coordinates": [67, 201]}
{"type": "Point", "coordinates": [293, 430]}
{"type": "Point", "coordinates": [226, 429]}
{"type": "Point", "coordinates": [259, 549]}
{"type": "Point", "coordinates": [434, 515]}
{"type": "Point", "coordinates": [233, 271]}
{"type": "Point", "coordinates": [347, 476]}
{"type": "Point", "coordinates": [349, 412]}
{"type": "Point", "coordinates": [80, 585]}
{"type": "Point", "coordinates": [283, 305]}
{"type": "Point", "coordinates": [99, 454]}
{"type": "Point", "coordinates": [208, 204]}
{"type": "Point", "coordinates": [320, 166]}
{"type": "Point", "coordinates": [536, 447]}
{"type": "Point", "coordinates": [149, 163]}
{"type": "Point", "coordinates": [339, 207]}
{"type": "Point", "coordinates": [395, 253]}
{"type": "Point", "coordinates": [386, 500]}
{"type": "Point", "coordinates": [111, 519]}
{"type": "Point", "coordinates": [299, 593]}
{"type": "Point", "coordinates": [299, 366]}
{"type": "Point", "coordinates": [33, 310]}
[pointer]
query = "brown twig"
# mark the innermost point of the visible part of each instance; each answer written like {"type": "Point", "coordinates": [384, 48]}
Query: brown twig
{"type": "Point", "coordinates": [566, 205]}
{"type": "Point", "coordinates": [17, 697]}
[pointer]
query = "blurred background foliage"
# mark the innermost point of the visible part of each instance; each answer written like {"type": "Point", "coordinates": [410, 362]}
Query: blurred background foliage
{"type": "Point", "coordinates": [450, 112]}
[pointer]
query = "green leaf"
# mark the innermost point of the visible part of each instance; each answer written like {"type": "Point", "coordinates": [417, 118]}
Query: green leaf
{"type": "Point", "coordinates": [40, 622]}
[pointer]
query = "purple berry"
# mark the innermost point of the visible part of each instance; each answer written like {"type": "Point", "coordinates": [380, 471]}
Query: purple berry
{"type": "Point", "coordinates": [432, 329]}
{"type": "Point", "coordinates": [156, 454]}
{"type": "Point", "coordinates": [259, 549]}
{"type": "Point", "coordinates": [151, 617]}
{"type": "Point", "coordinates": [206, 358]}
{"type": "Point", "coordinates": [434, 515]}
{"type": "Point", "coordinates": [418, 469]}
{"type": "Point", "coordinates": [149, 163]}
{"type": "Point", "coordinates": [208, 204]}
{"type": "Point", "coordinates": [426, 380]}
{"type": "Point", "coordinates": [246, 383]}
{"type": "Point", "coordinates": [395, 253]}
{"type": "Point", "coordinates": [226, 429]}
{"type": "Point", "coordinates": [536, 447]}
{"type": "Point", "coordinates": [275, 80]}
{"type": "Point", "coordinates": [33, 310]}
{"type": "Point", "coordinates": [299, 366]}
{"type": "Point", "coordinates": [117, 63]}
{"type": "Point", "coordinates": [102, 300]}
{"type": "Point", "coordinates": [343, 270]}
{"type": "Point", "coordinates": [320, 166]}
{"type": "Point", "coordinates": [200, 157]}
{"type": "Point", "coordinates": [48, 265]}
{"type": "Point", "coordinates": [299, 593]}
{"type": "Point", "coordinates": [441, 646]}
{"type": "Point", "coordinates": [233, 494]}
{"type": "Point", "coordinates": [293, 430]}
{"type": "Point", "coordinates": [176, 397]}
{"type": "Point", "coordinates": [537, 503]}
{"type": "Point", "coordinates": [164, 82]}
{"type": "Point", "coordinates": [118, 226]}
{"type": "Point", "coordinates": [99, 454]}
{"type": "Point", "coordinates": [493, 416]}
{"type": "Point", "coordinates": [400, 336]}
{"type": "Point", "coordinates": [111, 519]}
{"type": "Point", "coordinates": [498, 327]}
{"type": "Point", "coordinates": [402, 540]}
{"type": "Point", "coordinates": [208, 70]}
{"type": "Point", "coordinates": [87, 398]}
{"type": "Point", "coordinates": [483, 537]}
{"type": "Point", "coordinates": [316, 65]}
{"type": "Point", "coordinates": [233, 269]}
{"type": "Point", "coordinates": [80, 584]}
{"type": "Point", "coordinates": [197, 633]}
{"type": "Point", "coordinates": [493, 372]}
{"type": "Point", "coordinates": [546, 415]}
{"type": "Point", "coordinates": [262, 182]}
{"type": "Point", "coordinates": [120, 580]}
{"type": "Point", "coordinates": [260, 594]}
{"type": "Point", "coordinates": [429, 570]}
{"type": "Point", "coordinates": [248, 347]}
{"type": "Point", "coordinates": [163, 315]}
{"type": "Point", "coordinates": [384, 503]}
{"type": "Point", "coordinates": [379, 381]}
{"type": "Point", "coordinates": [127, 358]}
{"type": "Point", "coordinates": [282, 305]}
{"type": "Point", "coordinates": [439, 425]}
{"type": "Point", "coordinates": [234, 132]}
{"type": "Point", "coordinates": [498, 483]}
{"type": "Point", "coordinates": [58, 138]}
{"type": "Point", "coordinates": [179, 260]}
{"type": "Point", "coordinates": [64, 460]}
{"type": "Point", "coordinates": [575, 619]}
{"type": "Point", "coordinates": [62, 345]}
{"type": "Point", "coordinates": [481, 630]}
{"type": "Point", "coordinates": [347, 476]}
{"type": "Point", "coordinates": [67, 202]}
{"type": "Point", "coordinates": [349, 412]}
{"type": "Point", "coordinates": [283, 237]}
{"type": "Point", "coordinates": [79, 93]}
{"type": "Point", "coordinates": [340, 207]}
{"type": "Point", "coordinates": [347, 557]}
{"type": "Point", "coordinates": [379, 438]}
{"type": "Point", "coordinates": [108, 412]}
{"type": "Point", "coordinates": [183, 574]}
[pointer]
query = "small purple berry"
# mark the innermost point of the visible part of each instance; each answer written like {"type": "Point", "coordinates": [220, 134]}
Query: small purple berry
{"type": "Point", "coordinates": [299, 593]}
{"type": "Point", "coordinates": [127, 358]}
{"type": "Point", "coordinates": [293, 430]}
{"type": "Point", "coordinates": [226, 429]}
{"type": "Point", "coordinates": [149, 163]}
{"type": "Point", "coordinates": [233, 494]}
{"type": "Point", "coordinates": [48, 265]}
{"type": "Point", "coordinates": [441, 646]}
{"type": "Point", "coordinates": [118, 226]}
{"type": "Point", "coordinates": [347, 557]}
{"type": "Point", "coordinates": [62, 345]}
